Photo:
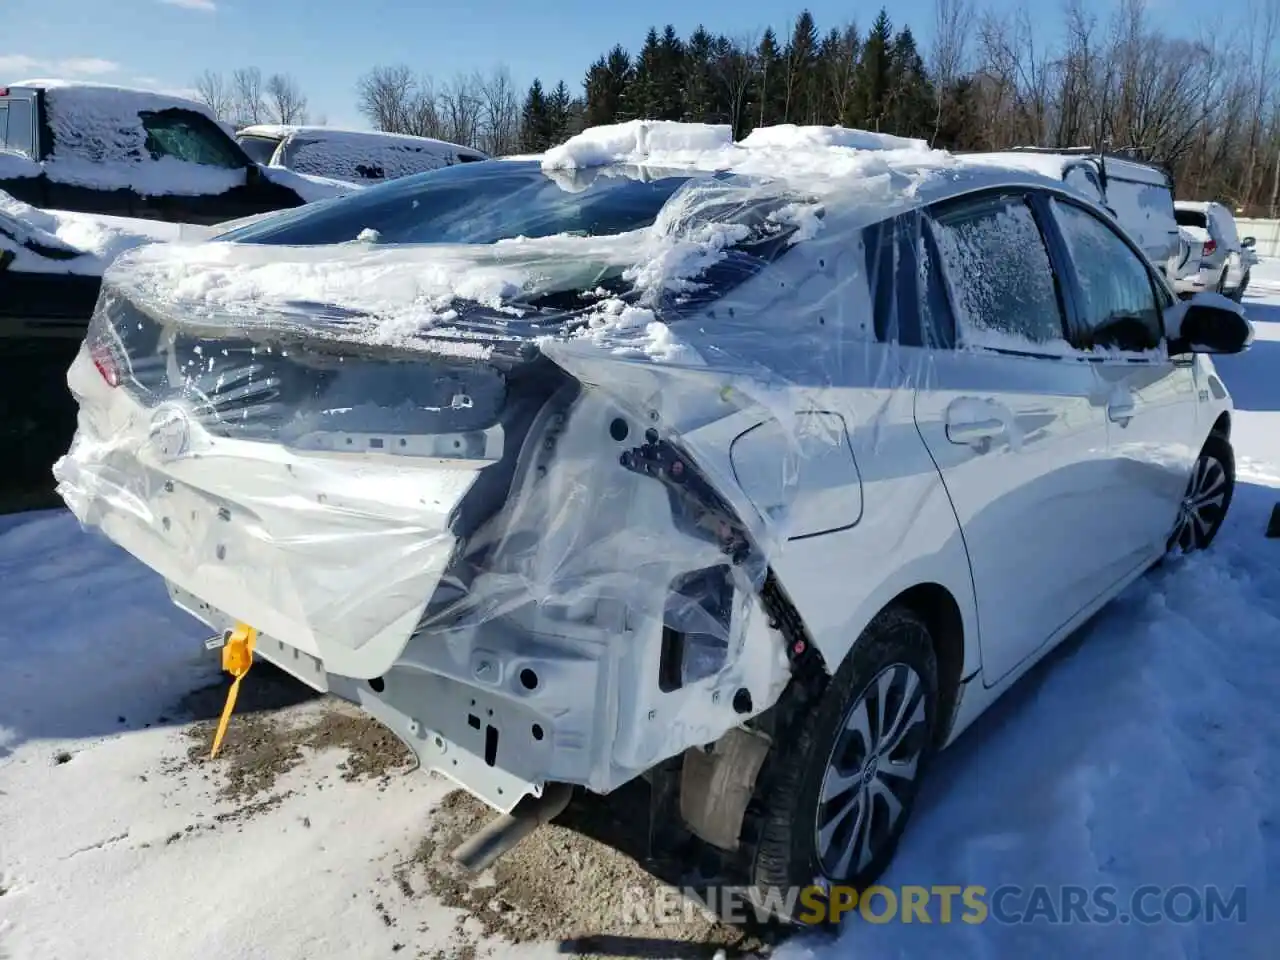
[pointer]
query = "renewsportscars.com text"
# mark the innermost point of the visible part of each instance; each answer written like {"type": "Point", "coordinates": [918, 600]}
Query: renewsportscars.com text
{"type": "Point", "coordinates": [943, 903]}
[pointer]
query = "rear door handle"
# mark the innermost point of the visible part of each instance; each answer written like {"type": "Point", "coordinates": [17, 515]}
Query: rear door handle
{"type": "Point", "coordinates": [975, 432]}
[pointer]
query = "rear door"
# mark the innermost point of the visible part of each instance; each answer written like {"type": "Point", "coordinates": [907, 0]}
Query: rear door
{"type": "Point", "coordinates": [1016, 426]}
{"type": "Point", "coordinates": [1153, 436]}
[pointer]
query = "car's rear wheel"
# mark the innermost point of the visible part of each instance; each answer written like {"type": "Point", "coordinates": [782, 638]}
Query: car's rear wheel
{"type": "Point", "coordinates": [837, 794]}
{"type": "Point", "coordinates": [1208, 497]}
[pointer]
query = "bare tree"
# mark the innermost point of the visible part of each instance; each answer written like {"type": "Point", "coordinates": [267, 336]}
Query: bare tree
{"type": "Point", "coordinates": [499, 114]}
{"type": "Point", "coordinates": [213, 92]}
{"type": "Point", "coordinates": [948, 54]}
{"type": "Point", "coordinates": [249, 106]}
{"type": "Point", "coordinates": [733, 71]}
{"type": "Point", "coordinates": [286, 102]}
{"type": "Point", "coordinates": [461, 107]}
{"type": "Point", "coordinates": [394, 100]}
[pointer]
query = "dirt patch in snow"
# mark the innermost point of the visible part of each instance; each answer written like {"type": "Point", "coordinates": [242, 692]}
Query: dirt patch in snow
{"type": "Point", "coordinates": [568, 883]}
{"type": "Point", "coordinates": [277, 720]}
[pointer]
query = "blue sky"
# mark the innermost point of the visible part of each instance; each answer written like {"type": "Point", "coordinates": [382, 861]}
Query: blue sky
{"type": "Point", "coordinates": [328, 44]}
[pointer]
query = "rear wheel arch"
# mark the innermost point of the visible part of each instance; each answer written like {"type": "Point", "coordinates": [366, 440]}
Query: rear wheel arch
{"type": "Point", "coordinates": [934, 604]}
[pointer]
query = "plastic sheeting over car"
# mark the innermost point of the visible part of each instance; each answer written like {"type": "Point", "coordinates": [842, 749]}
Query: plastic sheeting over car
{"type": "Point", "coordinates": [547, 432]}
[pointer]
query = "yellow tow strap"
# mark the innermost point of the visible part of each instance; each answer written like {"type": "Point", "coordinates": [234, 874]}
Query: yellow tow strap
{"type": "Point", "coordinates": [237, 658]}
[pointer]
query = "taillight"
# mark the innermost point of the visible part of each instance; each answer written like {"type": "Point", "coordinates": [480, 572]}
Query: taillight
{"type": "Point", "coordinates": [1210, 246]}
{"type": "Point", "coordinates": [105, 361]}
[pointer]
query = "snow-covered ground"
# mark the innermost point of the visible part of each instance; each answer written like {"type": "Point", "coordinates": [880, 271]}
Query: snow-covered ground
{"type": "Point", "coordinates": [1146, 752]}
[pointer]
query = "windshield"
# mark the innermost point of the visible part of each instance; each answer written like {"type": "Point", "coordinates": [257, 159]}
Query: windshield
{"type": "Point", "coordinates": [1191, 218]}
{"type": "Point", "coordinates": [259, 149]}
{"type": "Point", "coordinates": [473, 204]}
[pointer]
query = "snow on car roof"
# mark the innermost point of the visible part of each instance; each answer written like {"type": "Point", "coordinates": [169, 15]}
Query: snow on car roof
{"type": "Point", "coordinates": [109, 97]}
{"type": "Point", "coordinates": [338, 135]}
{"type": "Point", "coordinates": [826, 180]}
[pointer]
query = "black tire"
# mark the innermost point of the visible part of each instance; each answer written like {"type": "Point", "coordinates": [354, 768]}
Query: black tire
{"type": "Point", "coordinates": [1222, 282]}
{"type": "Point", "coordinates": [786, 854]}
{"type": "Point", "coordinates": [1208, 497]}
{"type": "Point", "coordinates": [1238, 293]}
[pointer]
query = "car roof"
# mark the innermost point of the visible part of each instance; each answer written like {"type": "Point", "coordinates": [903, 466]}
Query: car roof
{"type": "Point", "coordinates": [879, 174]}
{"type": "Point", "coordinates": [89, 93]}
{"type": "Point", "coordinates": [280, 131]}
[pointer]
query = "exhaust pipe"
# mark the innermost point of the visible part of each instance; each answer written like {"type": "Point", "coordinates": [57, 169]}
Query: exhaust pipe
{"type": "Point", "coordinates": [503, 832]}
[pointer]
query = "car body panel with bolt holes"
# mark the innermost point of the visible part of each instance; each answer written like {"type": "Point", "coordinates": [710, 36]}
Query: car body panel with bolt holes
{"type": "Point", "coordinates": [562, 469]}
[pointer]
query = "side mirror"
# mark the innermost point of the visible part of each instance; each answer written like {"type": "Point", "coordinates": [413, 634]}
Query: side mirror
{"type": "Point", "coordinates": [253, 175]}
{"type": "Point", "coordinates": [1249, 242]}
{"type": "Point", "coordinates": [1207, 323]}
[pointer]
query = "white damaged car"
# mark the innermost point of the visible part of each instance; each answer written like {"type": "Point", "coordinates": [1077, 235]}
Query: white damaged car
{"type": "Point", "coordinates": [756, 469]}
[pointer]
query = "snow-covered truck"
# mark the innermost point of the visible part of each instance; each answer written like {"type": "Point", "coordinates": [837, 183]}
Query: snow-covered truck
{"type": "Point", "coordinates": [95, 148]}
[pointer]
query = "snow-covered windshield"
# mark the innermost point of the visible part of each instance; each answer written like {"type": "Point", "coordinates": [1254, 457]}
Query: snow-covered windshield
{"type": "Point", "coordinates": [475, 204]}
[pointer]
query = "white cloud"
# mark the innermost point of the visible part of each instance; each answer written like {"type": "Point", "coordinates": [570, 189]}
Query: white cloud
{"type": "Point", "coordinates": [208, 6]}
{"type": "Point", "coordinates": [87, 66]}
{"type": "Point", "coordinates": [13, 65]}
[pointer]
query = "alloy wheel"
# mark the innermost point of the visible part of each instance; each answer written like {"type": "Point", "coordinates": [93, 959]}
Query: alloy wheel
{"type": "Point", "coordinates": [875, 758]}
{"type": "Point", "coordinates": [1203, 505]}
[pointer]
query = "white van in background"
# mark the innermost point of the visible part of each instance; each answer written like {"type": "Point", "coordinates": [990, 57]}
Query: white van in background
{"type": "Point", "coordinates": [1139, 195]}
{"type": "Point", "coordinates": [356, 156]}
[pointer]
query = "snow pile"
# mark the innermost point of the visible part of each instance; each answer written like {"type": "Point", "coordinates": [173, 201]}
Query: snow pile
{"type": "Point", "coordinates": [48, 241]}
{"type": "Point", "coordinates": [789, 136]}
{"type": "Point", "coordinates": [394, 294]}
{"type": "Point", "coordinates": [638, 141]}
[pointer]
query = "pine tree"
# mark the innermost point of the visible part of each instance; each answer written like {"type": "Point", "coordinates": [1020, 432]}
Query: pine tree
{"type": "Point", "coordinates": [606, 88]}
{"type": "Point", "coordinates": [768, 80]}
{"type": "Point", "coordinates": [642, 96]}
{"type": "Point", "coordinates": [668, 101]}
{"type": "Point", "coordinates": [800, 72]}
{"type": "Point", "coordinates": [837, 67]}
{"type": "Point", "coordinates": [535, 120]}
{"type": "Point", "coordinates": [699, 89]}
{"type": "Point", "coordinates": [911, 105]}
{"type": "Point", "coordinates": [558, 114]}
{"type": "Point", "coordinates": [872, 82]}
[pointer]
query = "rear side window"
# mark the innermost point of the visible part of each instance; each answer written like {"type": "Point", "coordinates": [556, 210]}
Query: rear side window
{"type": "Point", "coordinates": [188, 136]}
{"type": "Point", "coordinates": [1119, 308]}
{"type": "Point", "coordinates": [17, 133]}
{"type": "Point", "coordinates": [999, 273]}
{"type": "Point", "coordinates": [909, 297]}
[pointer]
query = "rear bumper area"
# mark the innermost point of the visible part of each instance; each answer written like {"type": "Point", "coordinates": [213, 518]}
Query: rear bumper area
{"type": "Point", "coordinates": [598, 622]}
{"type": "Point", "coordinates": [333, 555]}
